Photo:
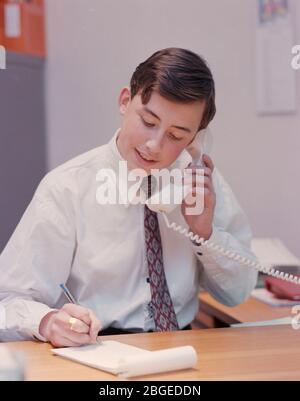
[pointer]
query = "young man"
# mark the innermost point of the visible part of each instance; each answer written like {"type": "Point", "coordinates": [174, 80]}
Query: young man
{"type": "Point", "coordinates": [127, 271]}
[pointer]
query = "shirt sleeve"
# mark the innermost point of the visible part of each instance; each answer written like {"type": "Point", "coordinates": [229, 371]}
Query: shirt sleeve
{"type": "Point", "coordinates": [227, 280]}
{"type": "Point", "coordinates": [35, 261]}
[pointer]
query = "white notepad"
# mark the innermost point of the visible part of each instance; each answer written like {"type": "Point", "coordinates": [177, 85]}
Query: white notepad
{"type": "Point", "coordinates": [127, 360]}
{"type": "Point", "coordinates": [105, 356]}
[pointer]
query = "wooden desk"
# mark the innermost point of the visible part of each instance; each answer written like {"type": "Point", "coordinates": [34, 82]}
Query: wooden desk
{"type": "Point", "coordinates": [251, 353]}
{"type": "Point", "coordinates": [213, 314]}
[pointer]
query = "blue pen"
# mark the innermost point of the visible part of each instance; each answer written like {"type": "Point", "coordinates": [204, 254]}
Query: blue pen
{"type": "Point", "coordinates": [72, 300]}
{"type": "Point", "coordinates": [68, 294]}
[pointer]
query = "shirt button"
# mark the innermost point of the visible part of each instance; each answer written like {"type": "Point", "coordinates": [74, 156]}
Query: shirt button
{"type": "Point", "coordinates": [150, 310]}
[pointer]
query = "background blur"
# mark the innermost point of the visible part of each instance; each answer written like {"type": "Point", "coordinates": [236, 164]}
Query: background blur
{"type": "Point", "coordinates": [58, 98]}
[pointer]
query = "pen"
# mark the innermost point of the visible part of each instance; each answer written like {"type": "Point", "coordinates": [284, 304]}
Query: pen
{"type": "Point", "coordinates": [68, 294]}
{"type": "Point", "coordinates": [70, 297]}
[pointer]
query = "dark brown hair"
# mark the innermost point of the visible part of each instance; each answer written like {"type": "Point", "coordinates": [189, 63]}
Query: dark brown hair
{"type": "Point", "coordinates": [178, 75]}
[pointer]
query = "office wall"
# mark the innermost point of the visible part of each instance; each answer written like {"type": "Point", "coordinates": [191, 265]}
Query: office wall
{"type": "Point", "coordinates": [93, 47]}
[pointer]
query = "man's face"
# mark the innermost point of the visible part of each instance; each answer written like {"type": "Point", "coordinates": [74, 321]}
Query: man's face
{"type": "Point", "coordinates": [157, 131]}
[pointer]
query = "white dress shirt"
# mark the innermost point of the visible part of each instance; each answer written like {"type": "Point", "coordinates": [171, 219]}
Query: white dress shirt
{"type": "Point", "coordinates": [98, 251]}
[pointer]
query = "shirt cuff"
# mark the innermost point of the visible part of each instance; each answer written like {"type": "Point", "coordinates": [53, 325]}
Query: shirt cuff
{"type": "Point", "coordinates": [225, 278]}
{"type": "Point", "coordinates": [215, 238]}
{"type": "Point", "coordinates": [39, 310]}
{"type": "Point", "coordinates": [25, 316]}
{"type": "Point", "coordinates": [215, 263]}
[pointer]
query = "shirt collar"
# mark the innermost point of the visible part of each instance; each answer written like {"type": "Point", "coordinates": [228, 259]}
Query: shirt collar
{"type": "Point", "coordinates": [112, 144]}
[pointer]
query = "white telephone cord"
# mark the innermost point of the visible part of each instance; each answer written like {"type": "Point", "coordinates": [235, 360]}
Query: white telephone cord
{"type": "Point", "coordinates": [232, 255]}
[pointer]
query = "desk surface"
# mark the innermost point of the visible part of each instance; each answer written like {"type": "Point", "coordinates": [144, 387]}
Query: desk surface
{"type": "Point", "coordinates": [251, 310]}
{"type": "Point", "coordinates": [224, 354]}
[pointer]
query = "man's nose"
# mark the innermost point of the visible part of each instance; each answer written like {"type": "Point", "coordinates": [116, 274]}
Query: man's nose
{"type": "Point", "coordinates": [154, 144]}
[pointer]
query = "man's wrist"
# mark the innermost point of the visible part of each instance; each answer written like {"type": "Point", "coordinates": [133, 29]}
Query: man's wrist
{"type": "Point", "coordinates": [203, 234]}
{"type": "Point", "coordinates": [44, 324]}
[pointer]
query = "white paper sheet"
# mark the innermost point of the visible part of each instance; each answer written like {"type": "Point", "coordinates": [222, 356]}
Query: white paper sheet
{"type": "Point", "coordinates": [128, 361]}
{"type": "Point", "coordinates": [159, 361]}
{"type": "Point", "coordinates": [105, 356]}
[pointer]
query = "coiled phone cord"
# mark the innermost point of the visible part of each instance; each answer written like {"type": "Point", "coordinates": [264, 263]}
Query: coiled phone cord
{"type": "Point", "coordinates": [230, 254]}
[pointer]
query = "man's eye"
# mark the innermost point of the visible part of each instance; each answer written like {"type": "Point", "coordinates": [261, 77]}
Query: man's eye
{"type": "Point", "coordinates": [175, 138]}
{"type": "Point", "coordinates": [147, 124]}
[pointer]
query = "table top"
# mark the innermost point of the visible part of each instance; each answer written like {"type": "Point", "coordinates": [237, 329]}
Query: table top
{"type": "Point", "coordinates": [251, 310]}
{"type": "Point", "coordinates": [252, 353]}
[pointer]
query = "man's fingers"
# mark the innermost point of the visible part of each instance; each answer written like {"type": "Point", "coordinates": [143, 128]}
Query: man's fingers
{"type": "Point", "coordinates": [62, 328]}
{"type": "Point", "coordinates": [67, 322]}
{"type": "Point", "coordinates": [199, 171]}
{"type": "Point", "coordinates": [72, 326]}
{"type": "Point", "coordinates": [95, 326]}
{"type": "Point", "coordinates": [199, 187]}
{"type": "Point", "coordinates": [62, 341]}
{"type": "Point", "coordinates": [77, 338]}
{"type": "Point", "coordinates": [78, 326]}
{"type": "Point", "coordinates": [200, 182]}
{"type": "Point", "coordinates": [78, 311]}
{"type": "Point", "coordinates": [77, 322]}
{"type": "Point", "coordinates": [208, 161]}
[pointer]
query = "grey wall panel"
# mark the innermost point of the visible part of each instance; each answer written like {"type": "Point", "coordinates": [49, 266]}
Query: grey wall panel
{"type": "Point", "coordinates": [22, 137]}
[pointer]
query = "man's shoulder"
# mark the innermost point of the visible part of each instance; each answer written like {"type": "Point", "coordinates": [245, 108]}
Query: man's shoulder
{"type": "Point", "coordinates": [92, 158]}
{"type": "Point", "coordinates": [75, 171]}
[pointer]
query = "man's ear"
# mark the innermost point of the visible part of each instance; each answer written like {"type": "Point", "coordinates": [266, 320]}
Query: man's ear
{"type": "Point", "coordinates": [124, 99]}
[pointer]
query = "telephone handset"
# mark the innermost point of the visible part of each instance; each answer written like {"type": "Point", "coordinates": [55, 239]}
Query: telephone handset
{"type": "Point", "coordinates": [200, 145]}
{"type": "Point", "coordinates": [191, 156]}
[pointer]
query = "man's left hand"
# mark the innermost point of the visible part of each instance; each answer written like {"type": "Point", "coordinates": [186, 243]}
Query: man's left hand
{"type": "Point", "coordinates": [202, 224]}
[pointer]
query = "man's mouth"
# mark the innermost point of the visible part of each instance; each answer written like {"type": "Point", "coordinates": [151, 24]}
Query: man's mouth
{"type": "Point", "coordinates": [145, 157]}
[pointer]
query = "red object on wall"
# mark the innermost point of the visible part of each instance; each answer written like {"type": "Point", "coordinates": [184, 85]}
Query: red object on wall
{"type": "Point", "coordinates": [24, 26]}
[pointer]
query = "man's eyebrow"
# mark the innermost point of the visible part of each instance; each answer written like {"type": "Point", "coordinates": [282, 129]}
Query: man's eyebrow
{"type": "Point", "coordinates": [145, 108]}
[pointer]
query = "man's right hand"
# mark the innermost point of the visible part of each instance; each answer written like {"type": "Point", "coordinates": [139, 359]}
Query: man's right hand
{"type": "Point", "coordinates": [57, 328]}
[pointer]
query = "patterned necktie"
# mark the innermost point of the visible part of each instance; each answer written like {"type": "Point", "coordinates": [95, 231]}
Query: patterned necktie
{"type": "Point", "coordinates": [161, 303]}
